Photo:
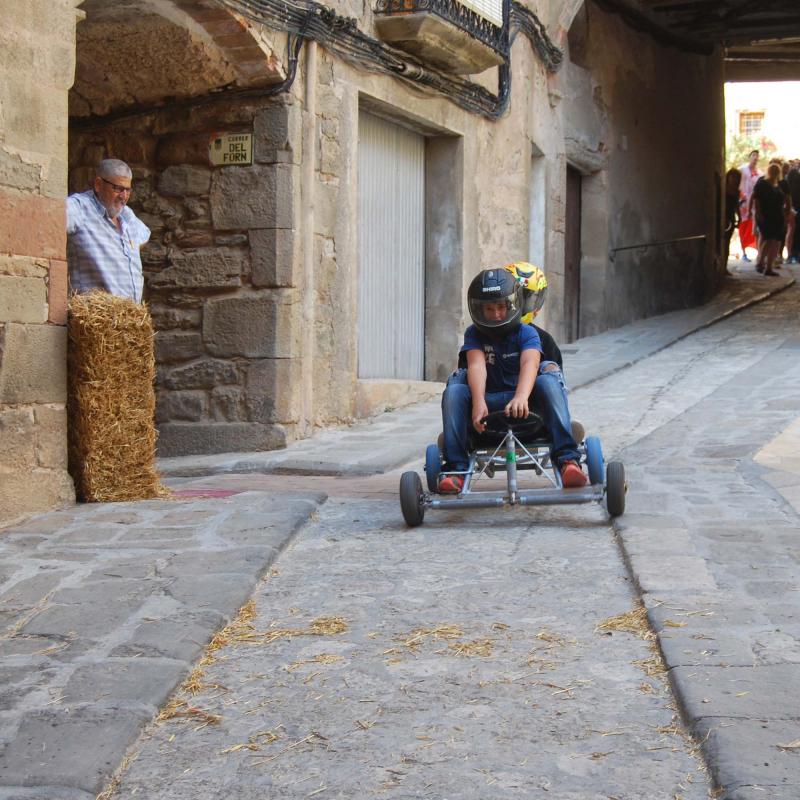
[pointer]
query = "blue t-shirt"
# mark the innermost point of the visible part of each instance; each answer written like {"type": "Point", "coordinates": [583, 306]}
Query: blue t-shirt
{"type": "Point", "coordinates": [502, 355]}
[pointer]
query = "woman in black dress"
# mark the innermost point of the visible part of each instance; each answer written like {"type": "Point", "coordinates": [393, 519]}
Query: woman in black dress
{"type": "Point", "coordinates": [770, 202]}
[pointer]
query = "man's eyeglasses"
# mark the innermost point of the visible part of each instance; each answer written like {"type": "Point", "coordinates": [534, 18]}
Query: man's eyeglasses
{"type": "Point", "coordinates": [117, 188]}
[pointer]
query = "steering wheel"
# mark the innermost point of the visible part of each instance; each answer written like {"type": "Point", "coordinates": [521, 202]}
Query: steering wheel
{"type": "Point", "coordinates": [498, 422]}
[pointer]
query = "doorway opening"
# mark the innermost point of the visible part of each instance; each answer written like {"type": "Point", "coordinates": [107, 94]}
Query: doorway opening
{"type": "Point", "coordinates": [572, 256]}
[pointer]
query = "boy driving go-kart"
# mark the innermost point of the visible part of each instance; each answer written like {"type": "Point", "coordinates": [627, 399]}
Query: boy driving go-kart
{"type": "Point", "coordinates": [506, 370]}
{"type": "Point", "coordinates": [505, 409]}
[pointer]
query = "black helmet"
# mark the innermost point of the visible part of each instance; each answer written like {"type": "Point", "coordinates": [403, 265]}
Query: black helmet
{"type": "Point", "coordinates": [495, 302]}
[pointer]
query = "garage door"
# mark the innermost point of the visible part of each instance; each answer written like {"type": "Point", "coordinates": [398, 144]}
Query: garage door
{"type": "Point", "coordinates": [391, 286]}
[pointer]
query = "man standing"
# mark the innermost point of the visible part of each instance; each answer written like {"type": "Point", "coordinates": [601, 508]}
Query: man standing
{"type": "Point", "coordinates": [104, 235]}
{"type": "Point", "coordinates": [750, 175]}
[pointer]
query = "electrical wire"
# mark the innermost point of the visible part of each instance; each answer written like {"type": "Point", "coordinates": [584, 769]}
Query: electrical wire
{"type": "Point", "coordinates": [308, 20]}
{"type": "Point", "coordinates": [341, 36]}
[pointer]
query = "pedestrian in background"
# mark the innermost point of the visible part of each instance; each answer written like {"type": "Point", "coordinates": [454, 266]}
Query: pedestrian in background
{"type": "Point", "coordinates": [769, 207]}
{"type": "Point", "coordinates": [104, 235]}
{"type": "Point", "coordinates": [788, 211]}
{"type": "Point", "coordinates": [733, 179]}
{"type": "Point", "coordinates": [792, 240]}
{"type": "Point", "coordinates": [750, 174]}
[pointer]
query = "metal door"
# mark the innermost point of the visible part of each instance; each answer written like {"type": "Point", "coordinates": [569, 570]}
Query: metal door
{"type": "Point", "coordinates": [391, 281]}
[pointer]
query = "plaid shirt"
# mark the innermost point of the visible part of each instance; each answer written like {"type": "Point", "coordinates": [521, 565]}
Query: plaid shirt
{"type": "Point", "coordinates": [100, 255]}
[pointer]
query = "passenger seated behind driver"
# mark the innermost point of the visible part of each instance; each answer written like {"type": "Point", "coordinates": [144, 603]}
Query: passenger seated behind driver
{"type": "Point", "coordinates": [504, 368]}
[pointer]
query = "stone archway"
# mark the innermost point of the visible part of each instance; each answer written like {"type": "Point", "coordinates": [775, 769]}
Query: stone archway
{"type": "Point", "coordinates": [134, 53]}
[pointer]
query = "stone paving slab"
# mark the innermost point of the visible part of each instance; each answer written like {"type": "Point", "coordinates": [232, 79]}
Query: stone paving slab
{"type": "Point", "coordinates": [395, 438]}
{"type": "Point", "coordinates": [740, 692]}
{"type": "Point", "coordinates": [78, 746]}
{"type": "Point", "coordinates": [767, 772]}
{"type": "Point", "coordinates": [104, 608]}
{"type": "Point", "coordinates": [44, 793]}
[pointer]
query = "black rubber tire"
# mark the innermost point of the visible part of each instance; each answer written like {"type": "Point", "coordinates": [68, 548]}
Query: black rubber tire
{"type": "Point", "coordinates": [440, 441]}
{"type": "Point", "coordinates": [411, 499]}
{"type": "Point", "coordinates": [594, 461]}
{"type": "Point", "coordinates": [433, 467]}
{"type": "Point", "coordinates": [615, 488]}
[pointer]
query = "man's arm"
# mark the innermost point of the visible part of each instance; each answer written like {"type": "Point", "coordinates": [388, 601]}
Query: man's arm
{"type": "Point", "coordinates": [476, 380]}
{"type": "Point", "coordinates": [528, 369]}
{"type": "Point", "coordinates": [142, 232]}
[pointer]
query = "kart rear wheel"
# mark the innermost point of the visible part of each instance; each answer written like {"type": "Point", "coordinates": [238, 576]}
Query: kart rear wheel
{"type": "Point", "coordinates": [433, 467]}
{"type": "Point", "coordinates": [615, 488]}
{"type": "Point", "coordinates": [594, 460]}
{"type": "Point", "coordinates": [411, 499]}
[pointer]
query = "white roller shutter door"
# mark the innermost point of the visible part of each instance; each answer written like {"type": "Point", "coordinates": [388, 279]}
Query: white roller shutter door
{"type": "Point", "coordinates": [391, 293]}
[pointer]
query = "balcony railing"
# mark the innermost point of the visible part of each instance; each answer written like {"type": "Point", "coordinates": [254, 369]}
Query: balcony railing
{"type": "Point", "coordinates": [461, 37]}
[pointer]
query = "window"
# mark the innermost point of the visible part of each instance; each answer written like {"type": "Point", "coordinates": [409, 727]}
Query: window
{"type": "Point", "coordinates": [751, 123]}
{"type": "Point", "coordinates": [488, 9]}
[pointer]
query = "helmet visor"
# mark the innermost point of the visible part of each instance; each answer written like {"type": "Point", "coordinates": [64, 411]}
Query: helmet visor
{"type": "Point", "coordinates": [535, 300]}
{"type": "Point", "coordinates": [497, 311]}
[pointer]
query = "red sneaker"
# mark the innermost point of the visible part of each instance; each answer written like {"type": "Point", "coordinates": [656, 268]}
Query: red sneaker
{"type": "Point", "coordinates": [450, 484]}
{"type": "Point", "coordinates": [572, 475]}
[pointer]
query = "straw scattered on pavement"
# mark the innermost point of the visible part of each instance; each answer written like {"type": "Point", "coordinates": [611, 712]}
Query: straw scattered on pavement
{"type": "Point", "coordinates": [634, 621]}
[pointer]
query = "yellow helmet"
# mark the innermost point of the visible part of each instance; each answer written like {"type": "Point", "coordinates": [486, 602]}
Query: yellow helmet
{"type": "Point", "coordinates": [534, 284]}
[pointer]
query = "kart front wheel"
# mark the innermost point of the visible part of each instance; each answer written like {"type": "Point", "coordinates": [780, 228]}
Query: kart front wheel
{"type": "Point", "coordinates": [412, 499]}
{"type": "Point", "coordinates": [594, 460]}
{"type": "Point", "coordinates": [615, 488]}
{"type": "Point", "coordinates": [433, 467]}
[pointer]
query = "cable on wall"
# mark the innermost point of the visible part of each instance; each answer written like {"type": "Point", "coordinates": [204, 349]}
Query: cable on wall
{"type": "Point", "coordinates": [307, 19]}
{"type": "Point", "coordinates": [341, 36]}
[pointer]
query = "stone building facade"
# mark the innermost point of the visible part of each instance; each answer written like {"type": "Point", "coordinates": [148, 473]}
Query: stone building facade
{"type": "Point", "coordinates": [279, 297]}
{"type": "Point", "coordinates": [220, 269]}
{"type": "Point", "coordinates": [38, 63]}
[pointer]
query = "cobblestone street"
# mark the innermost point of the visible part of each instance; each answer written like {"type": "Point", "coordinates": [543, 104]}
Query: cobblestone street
{"type": "Point", "coordinates": [483, 654]}
{"type": "Point", "coordinates": [474, 662]}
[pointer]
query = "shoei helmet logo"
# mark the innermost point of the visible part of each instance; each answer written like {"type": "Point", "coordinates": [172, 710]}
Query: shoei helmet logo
{"type": "Point", "coordinates": [492, 289]}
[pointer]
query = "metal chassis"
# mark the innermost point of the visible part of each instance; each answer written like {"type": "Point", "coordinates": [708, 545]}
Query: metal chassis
{"type": "Point", "coordinates": [511, 455]}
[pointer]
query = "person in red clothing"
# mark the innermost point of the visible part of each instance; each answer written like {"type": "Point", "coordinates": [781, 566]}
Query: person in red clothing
{"type": "Point", "coordinates": [750, 174]}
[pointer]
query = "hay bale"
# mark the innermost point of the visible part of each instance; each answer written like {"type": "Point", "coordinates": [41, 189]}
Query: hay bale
{"type": "Point", "coordinates": [112, 435]}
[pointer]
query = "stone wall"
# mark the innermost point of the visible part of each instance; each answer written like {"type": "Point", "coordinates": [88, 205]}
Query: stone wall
{"type": "Point", "coordinates": [219, 268]}
{"type": "Point", "coordinates": [481, 164]}
{"type": "Point", "coordinates": [226, 268]}
{"type": "Point", "coordinates": [37, 62]}
{"type": "Point", "coordinates": [647, 134]}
